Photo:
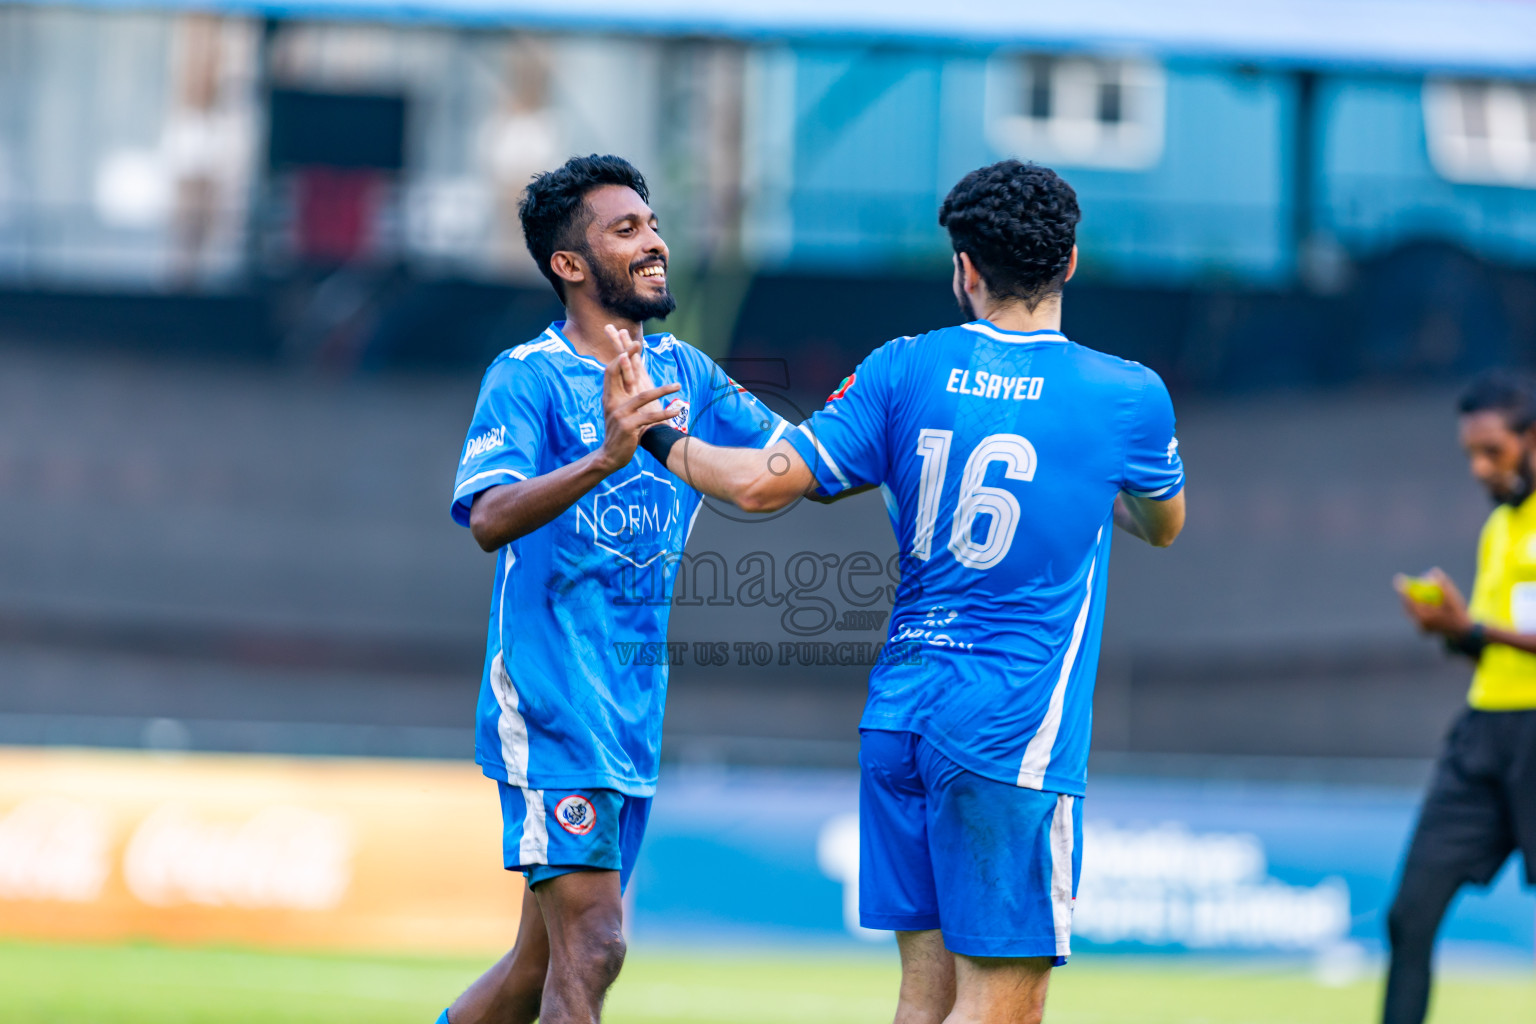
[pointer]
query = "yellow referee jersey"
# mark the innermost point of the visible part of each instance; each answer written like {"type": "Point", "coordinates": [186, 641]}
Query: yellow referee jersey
{"type": "Point", "coordinates": [1504, 596]}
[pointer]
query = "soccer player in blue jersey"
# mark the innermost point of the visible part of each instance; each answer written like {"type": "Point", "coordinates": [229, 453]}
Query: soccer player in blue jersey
{"type": "Point", "coordinates": [1006, 454]}
{"type": "Point", "coordinates": [587, 535]}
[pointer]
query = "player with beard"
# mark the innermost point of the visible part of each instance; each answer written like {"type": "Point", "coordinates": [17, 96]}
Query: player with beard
{"type": "Point", "coordinates": [1006, 453]}
{"type": "Point", "coordinates": [586, 532]}
{"type": "Point", "coordinates": [1481, 804]}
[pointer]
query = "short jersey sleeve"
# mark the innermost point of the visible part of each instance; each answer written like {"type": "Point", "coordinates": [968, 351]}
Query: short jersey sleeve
{"type": "Point", "coordinates": [1153, 468]}
{"type": "Point", "coordinates": [503, 442]}
{"type": "Point", "coordinates": [844, 443]}
{"type": "Point", "coordinates": [730, 416]}
{"type": "Point", "coordinates": [1484, 605]}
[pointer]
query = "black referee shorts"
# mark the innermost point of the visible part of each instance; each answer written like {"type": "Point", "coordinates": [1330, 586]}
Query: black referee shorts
{"type": "Point", "coordinates": [1481, 806]}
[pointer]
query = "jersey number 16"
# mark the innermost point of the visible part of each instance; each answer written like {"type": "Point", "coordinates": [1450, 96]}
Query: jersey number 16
{"type": "Point", "coordinates": [1000, 506]}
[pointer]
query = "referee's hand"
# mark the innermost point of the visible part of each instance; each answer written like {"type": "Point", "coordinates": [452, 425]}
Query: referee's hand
{"type": "Point", "coordinates": [1448, 618]}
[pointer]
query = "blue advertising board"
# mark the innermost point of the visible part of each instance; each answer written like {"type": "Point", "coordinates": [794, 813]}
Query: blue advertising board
{"type": "Point", "coordinates": [1176, 866]}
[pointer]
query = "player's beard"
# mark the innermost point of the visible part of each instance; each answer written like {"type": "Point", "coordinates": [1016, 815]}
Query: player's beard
{"type": "Point", "coordinates": [618, 295]}
{"type": "Point", "coordinates": [967, 311]}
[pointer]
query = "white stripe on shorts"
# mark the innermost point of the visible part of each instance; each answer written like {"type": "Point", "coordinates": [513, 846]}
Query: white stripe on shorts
{"type": "Point", "coordinates": [1062, 841]}
{"type": "Point", "coordinates": [534, 849]}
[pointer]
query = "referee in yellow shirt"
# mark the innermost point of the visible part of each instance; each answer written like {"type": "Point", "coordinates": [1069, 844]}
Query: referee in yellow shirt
{"type": "Point", "coordinates": [1481, 805]}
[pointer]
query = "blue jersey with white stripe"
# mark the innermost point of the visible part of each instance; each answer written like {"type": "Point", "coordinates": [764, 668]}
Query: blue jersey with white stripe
{"type": "Point", "coordinates": [575, 675]}
{"type": "Point", "coordinates": [1000, 455]}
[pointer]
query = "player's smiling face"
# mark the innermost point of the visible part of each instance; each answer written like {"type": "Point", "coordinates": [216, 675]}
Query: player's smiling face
{"type": "Point", "coordinates": [1500, 458]}
{"type": "Point", "coordinates": [627, 256]}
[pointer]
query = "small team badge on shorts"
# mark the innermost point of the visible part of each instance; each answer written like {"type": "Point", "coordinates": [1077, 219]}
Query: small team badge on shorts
{"type": "Point", "coordinates": [576, 815]}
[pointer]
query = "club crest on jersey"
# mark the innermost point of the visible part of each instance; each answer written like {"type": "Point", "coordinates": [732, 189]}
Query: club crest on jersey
{"type": "Point", "coordinates": [842, 389]}
{"type": "Point", "coordinates": [576, 815]}
{"type": "Point", "coordinates": [680, 417]}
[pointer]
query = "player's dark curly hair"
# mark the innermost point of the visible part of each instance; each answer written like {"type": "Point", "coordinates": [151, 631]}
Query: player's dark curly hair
{"type": "Point", "coordinates": [1508, 392]}
{"type": "Point", "coordinates": [554, 211]}
{"type": "Point", "coordinates": [1018, 223]}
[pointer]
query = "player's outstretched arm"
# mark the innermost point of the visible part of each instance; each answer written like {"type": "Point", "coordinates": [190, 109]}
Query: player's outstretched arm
{"type": "Point", "coordinates": [500, 515]}
{"type": "Point", "coordinates": [1156, 522]}
{"type": "Point", "coordinates": [753, 479]}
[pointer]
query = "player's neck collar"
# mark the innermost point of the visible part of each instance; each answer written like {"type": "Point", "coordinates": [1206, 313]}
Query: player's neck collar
{"type": "Point", "coordinates": [996, 333]}
{"type": "Point", "coordinates": [557, 331]}
{"type": "Point", "coordinates": [650, 343]}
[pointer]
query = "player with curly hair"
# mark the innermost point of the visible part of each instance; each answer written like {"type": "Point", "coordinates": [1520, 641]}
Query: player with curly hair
{"type": "Point", "coordinates": [1006, 453]}
{"type": "Point", "coordinates": [1020, 222]}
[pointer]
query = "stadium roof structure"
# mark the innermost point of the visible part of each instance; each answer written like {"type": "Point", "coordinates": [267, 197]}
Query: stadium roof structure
{"type": "Point", "coordinates": [1467, 36]}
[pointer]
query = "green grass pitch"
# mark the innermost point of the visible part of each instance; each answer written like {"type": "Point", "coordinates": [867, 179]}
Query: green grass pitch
{"type": "Point", "coordinates": [58, 984]}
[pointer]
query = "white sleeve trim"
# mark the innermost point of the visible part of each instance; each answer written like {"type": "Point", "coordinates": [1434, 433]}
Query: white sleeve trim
{"type": "Point", "coordinates": [778, 432]}
{"type": "Point", "coordinates": [805, 428]}
{"type": "Point", "coordinates": [460, 491]}
{"type": "Point", "coordinates": [1157, 493]}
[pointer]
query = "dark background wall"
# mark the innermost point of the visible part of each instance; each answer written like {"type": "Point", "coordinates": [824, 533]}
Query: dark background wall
{"type": "Point", "coordinates": [258, 548]}
{"type": "Point", "coordinates": [1410, 316]}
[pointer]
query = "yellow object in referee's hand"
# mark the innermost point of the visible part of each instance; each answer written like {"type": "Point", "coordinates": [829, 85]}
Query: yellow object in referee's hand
{"type": "Point", "coordinates": [1418, 588]}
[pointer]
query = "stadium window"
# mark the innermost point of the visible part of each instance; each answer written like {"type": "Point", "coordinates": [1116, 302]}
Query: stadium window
{"type": "Point", "coordinates": [1482, 132]}
{"type": "Point", "coordinates": [1109, 102]}
{"type": "Point", "coordinates": [1474, 112]}
{"type": "Point", "coordinates": [1039, 78]}
{"type": "Point", "coordinates": [1081, 111]}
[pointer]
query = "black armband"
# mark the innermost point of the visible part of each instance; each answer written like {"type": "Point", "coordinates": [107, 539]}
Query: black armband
{"type": "Point", "coordinates": [1471, 643]}
{"type": "Point", "coordinates": [660, 439]}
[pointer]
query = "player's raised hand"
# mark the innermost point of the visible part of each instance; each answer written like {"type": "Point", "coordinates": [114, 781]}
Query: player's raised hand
{"type": "Point", "coordinates": [629, 409]}
{"type": "Point", "coordinates": [633, 373]}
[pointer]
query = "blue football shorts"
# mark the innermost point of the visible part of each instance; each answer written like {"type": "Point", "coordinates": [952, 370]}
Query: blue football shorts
{"type": "Point", "coordinates": [547, 833]}
{"type": "Point", "coordinates": [991, 865]}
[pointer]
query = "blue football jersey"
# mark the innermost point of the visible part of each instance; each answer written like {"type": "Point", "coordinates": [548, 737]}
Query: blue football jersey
{"type": "Point", "coordinates": [1000, 455]}
{"type": "Point", "coordinates": [575, 676]}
